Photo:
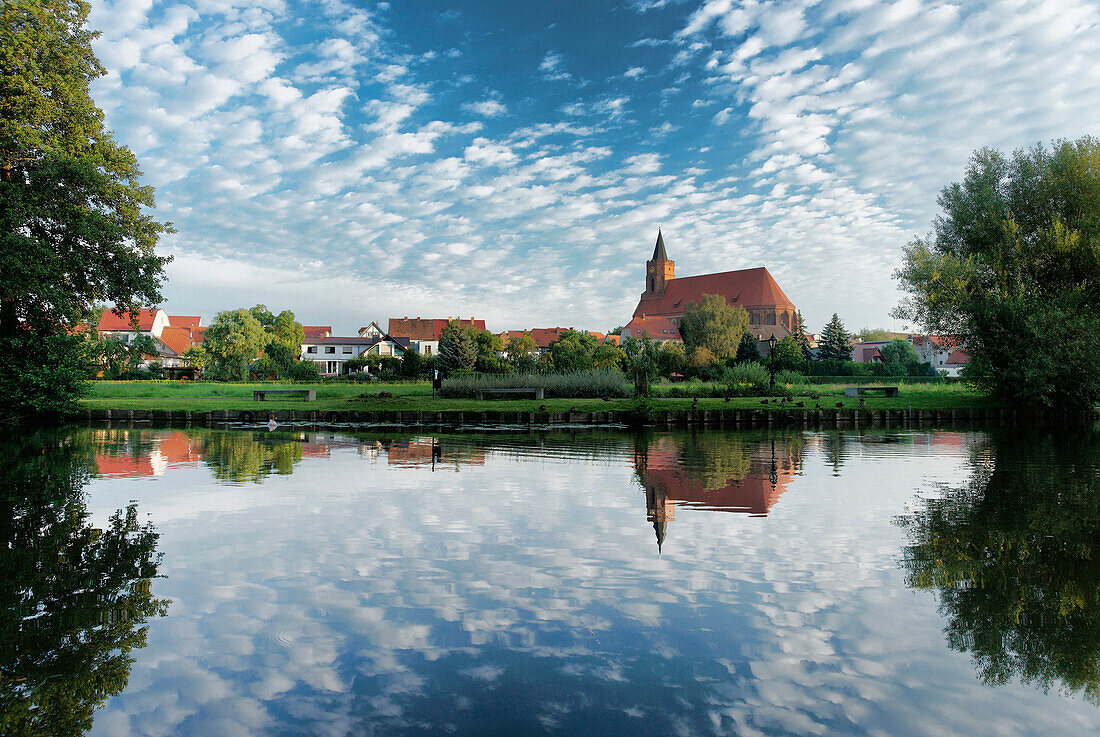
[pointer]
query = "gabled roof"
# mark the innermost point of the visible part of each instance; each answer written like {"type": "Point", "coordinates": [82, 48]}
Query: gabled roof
{"type": "Point", "coordinates": [545, 336]}
{"type": "Point", "coordinates": [658, 327]}
{"type": "Point", "coordinates": [316, 331]}
{"type": "Point", "coordinates": [958, 357]}
{"type": "Point", "coordinates": [742, 288]}
{"type": "Point", "coordinates": [428, 328]}
{"type": "Point", "coordinates": [177, 339]}
{"type": "Point", "coordinates": [659, 249]}
{"type": "Point", "coordinates": [185, 321]}
{"type": "Point", "coordinates": [145, 318]}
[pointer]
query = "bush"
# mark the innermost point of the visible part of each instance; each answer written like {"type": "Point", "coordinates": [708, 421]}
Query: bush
{"type": "Point", "coordinates": [592, 383]}
{"type": "Point", "coordinates": [303, 371]}
{"type": "Point", "coordinates": [790, 378]}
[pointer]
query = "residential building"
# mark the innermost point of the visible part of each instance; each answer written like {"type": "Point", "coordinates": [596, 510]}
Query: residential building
{"type": "Point", "coordinates": [331, 352]}
{"type": "Point", "coordinates": [173, 335]}
{"type": "Point", "coordinates": [660, 329]}
{"type": "Point", "coordinates": [423, 333]}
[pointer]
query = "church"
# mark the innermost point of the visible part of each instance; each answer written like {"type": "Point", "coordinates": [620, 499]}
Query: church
{"type": "Point", "coordinates": [666, 298]}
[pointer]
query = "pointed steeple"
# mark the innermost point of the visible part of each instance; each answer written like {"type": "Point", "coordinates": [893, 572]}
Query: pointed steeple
{"type": "Point", "coordinates": [659, 249]}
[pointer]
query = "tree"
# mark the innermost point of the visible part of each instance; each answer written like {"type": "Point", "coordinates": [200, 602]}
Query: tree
{"type": "Point", "coordinates": [900, 357]}
{"type": "Point", "coordinates": [121, 358]}
{"type": "Point", "coordinates": [874, 335]}
{"type": "Point", "coordinates": [232, 341]}
{"type": "Point", "coordinates": [412, 364]}
{"type": "Point", "coordinates": [642, 356]}
{"type": "Point", "coordinates": [712, 324]}
{"type": "Point", "coordinates": [835, 343]}
{"type": "Point", "coordinates": [800, 336]}
{"type": "Point", "coordinates": [1011, 272]}
{"type": "Point", "coordinates": [489, 347]}
{"type": "Point", "coordinates": [672, 360]}
{"type": "Point", "coordinates": [522, 352]}
{"type": "Point", "coordinates": [787, 355]}
{"type": "Point", "coordinates": [748, 350]}
{"type": "Point", "coordinates": [572, 351]}
{"type": "Point", "coordinates": [287, 330]}
{"type": "Point", "coordinates": [75, 595]}
{"type": "Point", "coordinates": [1011, 555]}
{"type": "Point", "coordinates": [458, 349]}
{"type": "Point", "coordinates": [74, 225]}
{"type": "Point", "coordinates": [701, 359]}
{"type": "Point", "coordinates": [607, 356]}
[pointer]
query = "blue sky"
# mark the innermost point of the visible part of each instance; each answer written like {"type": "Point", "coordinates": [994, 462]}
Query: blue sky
{"type": "Point", "coordinates": [353, 161]}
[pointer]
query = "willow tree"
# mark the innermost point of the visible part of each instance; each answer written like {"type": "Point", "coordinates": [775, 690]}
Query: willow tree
{"type": "Point", "coordinates": [75, 227]}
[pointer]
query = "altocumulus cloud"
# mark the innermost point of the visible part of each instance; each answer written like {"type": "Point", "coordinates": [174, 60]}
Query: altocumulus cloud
{"type": "Point", "coordinates": [330, 143]}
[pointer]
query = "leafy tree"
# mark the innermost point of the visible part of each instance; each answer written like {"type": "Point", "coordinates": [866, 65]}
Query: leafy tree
{"type": "Point", "coordinates": [303, 371]}
{"type": "Point", "coordinates": [800, 336]}
{"type": "Point", "coordinates": [616, 331]}
{"type": "Point", "coordinates": [232, 341]}
{"type": "Point", "coordinates": [545, 363]}
{"type": "Point", "coordinates": [74, 224]}
{"type": "Point", "coordinates": [900, 357]}
{"type": "Point", "coordinates": [412, 364]}
{"type": "Point", "coordinates": [714, 325]}
{"type": "Point", "coordinates": [121, 357]}
{"type": "Point", "coordinates": [281, 356]}
{"type": "Point", "coordinates": [572, 351]}
{"type": "Point", "coordinates": [355, 364]}
{"type": "Point", "coordinates": [787, 354]}
{"type": "Point", "coordinates": [1012, 557]}
{"type": "Point", "coordinates": [835, 343]}
{"type": "Point", "coordinates": [1011, 272]}
{"type": "Point", "coordinates": [74, 596]}
{"type": "Point", "coordinates": [642, 361]}
{"type": "Point", "coordinates": [197, 356]}
{"type": "Point", "coordinates": [520, 348]}
{"type": "Point", "coordinates": [672, 360]}
{"type": "Point", "coordinates": [287, 330]}
{"type": "Point", "coordinates": [489, 347]}
{"type": "Point", "coordinates": [874, 334]}
{"type": "Point", "coordinates": [748, 349]}
{"type": "Point", "coordinates": [458, 349]}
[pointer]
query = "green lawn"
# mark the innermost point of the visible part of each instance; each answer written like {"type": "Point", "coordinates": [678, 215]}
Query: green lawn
{"type": "Point", "coordinates": [202, 396]}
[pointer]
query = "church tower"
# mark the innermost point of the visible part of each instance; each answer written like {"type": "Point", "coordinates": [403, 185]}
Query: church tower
{"type": "Point", "coordinates": [658, 270]}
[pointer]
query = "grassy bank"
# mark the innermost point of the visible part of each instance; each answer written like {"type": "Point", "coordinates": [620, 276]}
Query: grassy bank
{"type": "Point", "coordinates": [201, 396]}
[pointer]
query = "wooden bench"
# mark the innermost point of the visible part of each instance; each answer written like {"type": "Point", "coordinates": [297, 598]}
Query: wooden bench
{"type": "Point", "coordinates": [859, 391]}
{"type": "Point", "coordinates": [292, 395]}
{"type": "Point", "coordinates": [533, 393]}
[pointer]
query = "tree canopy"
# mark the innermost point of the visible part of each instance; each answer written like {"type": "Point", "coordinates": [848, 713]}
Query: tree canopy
{"type": "Point", "coordinates": [458, 348]}
{"type": "Point", "coordinates": [712, 324]}
{"type": "Point", "coordinates": [232, 341]}
{"type": "Point", "coordinates": [74, 222]}
{"type": "Point", "coordinates": [1012, 272]}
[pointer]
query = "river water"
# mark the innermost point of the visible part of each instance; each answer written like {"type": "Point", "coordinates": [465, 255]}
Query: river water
{"type": "Point", "coordinates": [205, 582]}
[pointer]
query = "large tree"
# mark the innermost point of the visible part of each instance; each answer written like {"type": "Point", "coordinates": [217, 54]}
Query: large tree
{"type": "Point", "coordinates": [233, 341]}
{"type": "Point", "coordinates": [835, 343]}
{"type": "Point", "coordinates": [74, 222]}
{"type": "Point", "coordinates": [1012, 272]}
{"type": "Point", "coordinates": [572, 351]}
{"type": "Point", "coordinates": [458, 348]}
{"type": "Point", "coordinates": [712, 324]}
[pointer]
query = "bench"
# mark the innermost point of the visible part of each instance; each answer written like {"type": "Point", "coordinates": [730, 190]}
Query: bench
{"type": "Point", "coordinates": [293, 395]}
{"type": "Point", "coordinates": [533, 393]}
{"type": "Point", "coordinates": [859, 391]}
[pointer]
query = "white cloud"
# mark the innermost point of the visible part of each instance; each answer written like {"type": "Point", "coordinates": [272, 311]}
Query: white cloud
{"type": "Point", "coordinates": [486, 108]}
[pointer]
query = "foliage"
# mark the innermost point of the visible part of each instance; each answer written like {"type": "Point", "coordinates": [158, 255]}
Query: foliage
{"type": "Point", "coordinates": [800, 336]}
{"type": "Point", "coordinates": [232, 341]}
{"type": "Point", "coordinates": [458, 348]}
{"type": "Point", "coordinates": [747, 378]}
{"type": "Point", "coordinates": [748, 349]}
{"type": "Point", "coordinates": [591, 383]}
{"type": "Point", "coordinates": [712, 324]}
{"type": "Point", "coordinates": [900, 358]}
{"type": "Point", "coordinates": [43, 374]}
{"type": "Point", "coordinates": [642, 360]}
{"type": "Point", "coordinates": [521, 348]}
{"type": "Point", "coordinates": [1012, 557]}
{"type": "Point", "coordinates": [572, 351]}
{"type": "Point", "coordinates": [239, 457]}
{"type": "Point", "coordinates": [787, 354]}
{"type": "Point", "coordinates": [355, 364]}
{"type": "Point", "coordinates": [672, 360]}
{"type": "Point", "coordinates": [1012, 272]}
{"type": "Point", "coordinates": [74, 226]}
{"type": "Point", "coordinates": [869, 335]}
{"type": "Point", "coordinates": [303, 371]}
{"type": "Point", "coordinates": [74, 597]}
{"type": "Point", "coordinates": [412, 364]}
{"type": "Point", "coordinates": [607, 356]}
{"type": "Point", "coordinates": [790, 378]}
{"type": "Point", "coordinates": [121, 357]}
{"type": "Point", "coordinates": [835, 343]}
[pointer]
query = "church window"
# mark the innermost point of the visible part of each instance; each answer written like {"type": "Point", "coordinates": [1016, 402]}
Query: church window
{"type": "Point", "coordinates": [771, 318]}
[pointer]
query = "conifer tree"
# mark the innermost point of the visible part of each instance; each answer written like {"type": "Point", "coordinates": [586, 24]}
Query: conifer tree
{"type": "Point", "coordinates": [836, 343]}
{"type": "Point", "coordinates": [801, 337]}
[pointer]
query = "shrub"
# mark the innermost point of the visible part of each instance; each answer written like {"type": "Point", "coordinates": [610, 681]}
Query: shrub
{"type": "Point", "coordinates": [303, 371]}
{"type": "Point", "coordinates": [592, 383]}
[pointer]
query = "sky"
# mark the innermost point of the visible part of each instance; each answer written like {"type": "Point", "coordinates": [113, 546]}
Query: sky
{"type": "Point", "coordinates": [354, 161]}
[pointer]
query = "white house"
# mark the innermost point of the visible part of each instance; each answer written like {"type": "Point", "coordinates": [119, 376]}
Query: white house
{"type": "Point", "coordinates": [331, 352]}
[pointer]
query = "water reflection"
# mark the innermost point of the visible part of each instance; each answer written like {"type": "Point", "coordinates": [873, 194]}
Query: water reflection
{"type": "Point", "coordinates": [75, 597]}
{"type": "Point", "coordinates": [1014, 555]}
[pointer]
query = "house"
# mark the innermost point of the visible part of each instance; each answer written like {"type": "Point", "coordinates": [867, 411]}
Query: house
{"type": "Point", "coordinates": [173, 335]}
{"type": "Point", "coordinates": [869, 351]}
{"type": "Point", "coordinates": [331, 352]}
{"type": "Point", "coordinates": [940, 350]}
{"type": "Point", "coordinates": [423, 334]}
{"type": "Point", "coordinates": [770, 312]}
{"type": "Point", "coordinates": [372, 331]}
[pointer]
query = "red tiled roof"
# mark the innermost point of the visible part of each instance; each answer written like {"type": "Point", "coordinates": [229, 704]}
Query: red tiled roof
{"type": "Point", "coordinates": [198, 334]}
{"type": "Point", "coordinates": [545, 336]}
{"type": "Point", "coordinates": [111, 321]}
{"type": "Point", "coordinates": [427, 328]}
{"type": "Point", "coordinates": [656, 326]}
{"type": "Point", "coordinates": [743, 288]}
{"type": "Point", "coordinates": [958, 357]}
{"type": "Point", "coordinates": [184, 321]}
{"type": "Point", "coordinates": [613, 339]}
{"type": "Point", "coordinates": [178, 339]}
{"type": "Point", "coordinates": [316, 331]}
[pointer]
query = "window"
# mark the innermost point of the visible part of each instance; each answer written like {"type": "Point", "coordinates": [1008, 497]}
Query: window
{"type": "Point", "coordinates": [771, 318]}
{"type": "Point", "coordinates": [332, 367]}
{"type": "Point", "coordinates": [347, 349]}
{"type": "Point", "coordinates": [330, 349]}
{"type": "Point", "coordinates": [311, 349]}
{"type": "Point", "coordinates": [427, 350]}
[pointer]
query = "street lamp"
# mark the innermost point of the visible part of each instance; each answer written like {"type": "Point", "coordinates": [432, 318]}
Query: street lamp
{"type": "Point", "coordinates": [771, 355]}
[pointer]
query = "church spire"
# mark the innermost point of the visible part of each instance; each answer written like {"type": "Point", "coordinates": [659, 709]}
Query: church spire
{"type": "Point", "coordinates": [659, 249]}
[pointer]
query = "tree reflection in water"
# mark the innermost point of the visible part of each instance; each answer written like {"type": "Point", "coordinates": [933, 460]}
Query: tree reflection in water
{"type": "Point", "coordinates": [239, 457]}
{"type": "Point", "coordinates": [1015, 558]}
{"type": "Point", "coordinates": [74, 599]}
